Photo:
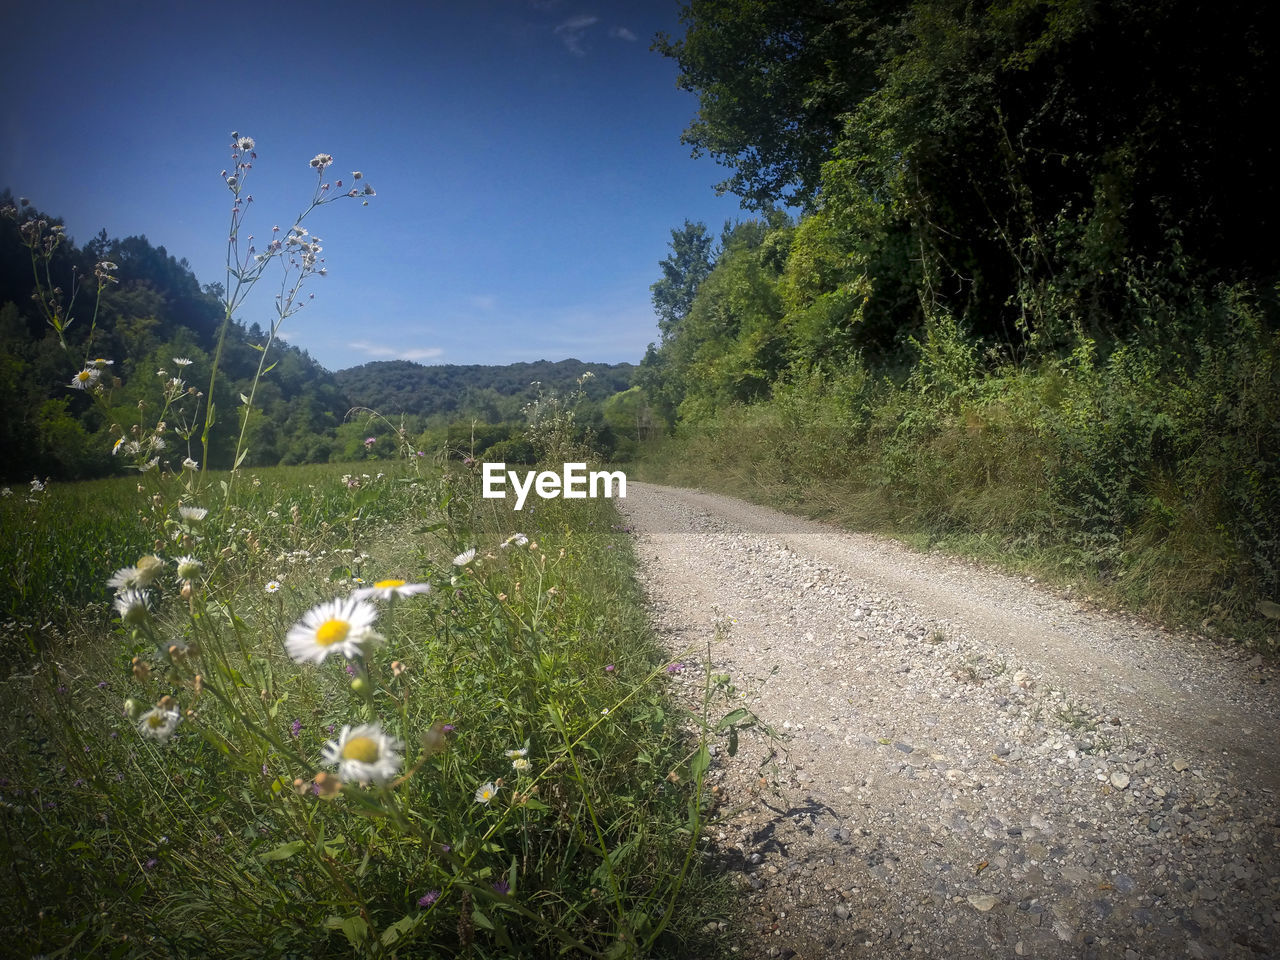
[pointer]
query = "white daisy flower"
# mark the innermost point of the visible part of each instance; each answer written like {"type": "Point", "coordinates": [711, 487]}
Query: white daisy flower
{"type": "Point", "coordinates": [102, 362]}
{"type": "Point", "coordinates": [85, 379]}
{"type": "Point", "coordinates": [389, 589]}
{"type": "Point", "coordinates": [342, 625]}
{"type": "Point", "coordinates": [182, 361]}
{"type": "Point", "coordinates": [486, 792]}
{"type": "Point", "coordinates": [193, 514]}
{"type": "Point", "coordinates": [521, 765]}
{"type": "Point", "coordinates": [522, 752]}
{"type": "Point", "coordinates": [364, 754]}
{"type": "Point", "coordinates": [189, 464]}
{"type": "Point", "coordinates": [123, 578]}
{"type": "Point", "coordinates": [189, 568]}
{"type": "Point", "coordinates": [516, 539]}
{"type": "Point", "coordinates": [273, 586]}
{"type": "Point", "coordinates": [462, 559]}
{"type": "Point", "coordinates": [158, 723]}
{"type": "Point", "coordinates": [133, 606]}
{"type": "Point", "coordinates": [149, 568]}
{"type": "Point", "coordinates": [116, 449]}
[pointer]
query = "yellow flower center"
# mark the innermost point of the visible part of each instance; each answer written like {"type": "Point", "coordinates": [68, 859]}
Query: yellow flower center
{"type": "Point", "coordinates": [84, 375]}
{"type": "Point", "coordinates": [156, 721]}
{"type": "Point", "coordinates": [389, 583]}
{"type": "Point", "coordinates": [332, 631]}
{"type": "Point", "coordinates": [364, 749]}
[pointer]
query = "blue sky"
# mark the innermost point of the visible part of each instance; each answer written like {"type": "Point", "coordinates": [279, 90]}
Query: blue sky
{"type": "Point", "coordinates": [526, 155]}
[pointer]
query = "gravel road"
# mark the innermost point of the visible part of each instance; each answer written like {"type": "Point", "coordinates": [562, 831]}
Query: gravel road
{"type": "Point", "coordinates": [968, 765]}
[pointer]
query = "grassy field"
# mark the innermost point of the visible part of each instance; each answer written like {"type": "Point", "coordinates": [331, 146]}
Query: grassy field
{"type": "Point", "coordinates": [490, 768]}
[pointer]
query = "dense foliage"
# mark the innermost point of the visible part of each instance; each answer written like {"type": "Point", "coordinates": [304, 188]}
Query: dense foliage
{"type": "Point", "coordinates": [1025, 272]}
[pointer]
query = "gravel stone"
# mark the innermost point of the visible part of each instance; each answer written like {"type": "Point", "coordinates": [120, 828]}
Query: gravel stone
{"type": "Point", "coordinates": [949, 737]}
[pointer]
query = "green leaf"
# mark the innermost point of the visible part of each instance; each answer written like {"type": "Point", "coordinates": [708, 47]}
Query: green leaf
{"type": "Point", "coordinates": [353, 928]}
{"type": "Point", "coordinates": [240, 459]}
{"type": "Point", "coordinates": [1269, 608]}
{"type": "Point", "coordinates": [285, 850]}
{"type": "Point", "coordinates": [401, 929]}
{"type": "Point", "coordinates": [735, 716]}
{"type": "Point", "coordinates": [701, 760]}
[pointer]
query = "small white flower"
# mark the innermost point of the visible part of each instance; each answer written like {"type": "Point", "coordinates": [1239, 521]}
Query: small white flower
{"type": "Point", "coordinates": [342, 625]}
{"type": "Point", "coordinates": [182, 361]}
{"type": "Point", "coordinates": [149, 465]}
{"type": "Point", "coordinates": [189, 464]}
{"type": "Point", "coordinates": [516, 540]}
{"type": "Point", "coordinates": [36, 485]}
{"type": "Point", "coordinates": [244, 144]}
{"type": "Point", "coordinates": [123, 578]}
{"type": "Point", "coordinates": [133, 606]}
{"type": "Point", "coordinates": [521, 765]}
{"type": "Point", "coordinates": [486, 792]}
{"type": "Point", "coordinates": [193, 514]}
{"type": "Point", "coordinates": [389, 589]}
{"type": "Point", "coordinates": [321, 160]}
{"type": "Point", "coordinates": [364, 754]}
{"type": "Point", "coordinates": [273, 586]}
{"type": "Point", "coordinates": [148, 569]}
{"type": "Point", "coordinates": [102, 362]}
{"type": "Point", "coordinates": [116, 449]}
{"type": "Point", "coordinates": [85, 379]}
{"type": "Point", "coordinates": [189, 568]}
{"type": "Point", "coordinates": [521, 752]}
{"type": "Point", "coordinates": [158, 723]}
{"type": "Point", "coordinates": [462, 559]}
{"type": "Point", "coordinates": [6, 492]}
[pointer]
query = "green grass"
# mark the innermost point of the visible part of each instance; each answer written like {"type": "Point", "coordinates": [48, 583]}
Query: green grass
{"type": "Point", "coordinates": [215, 843]}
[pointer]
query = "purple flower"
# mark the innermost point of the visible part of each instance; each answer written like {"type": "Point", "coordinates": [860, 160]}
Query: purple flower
{"type": "Point", "coordinates": [61, 690]}
{"type": "Point", "coordinates": [351, 671]}
{"type": "Point", "coordinates": [502, 887]}
{"type": "Point", "coordinates": [608, 668]}
{"type": "Point", "coordinates": [676, 668]}
{"type": "Point", "coordinates": [295, 728]}
{"type": "Point", "coordinates": [150, 864]}
{"type": "Point", "coordinates": [102, 684]}
{"type": "Point", "coordinates": [448, 728]}
{"type": "Point", "coordinates": [428, 898]}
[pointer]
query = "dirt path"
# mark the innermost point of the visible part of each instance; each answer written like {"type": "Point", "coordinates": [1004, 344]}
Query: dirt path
{"type": "Point", "coordinates": [971, 766]}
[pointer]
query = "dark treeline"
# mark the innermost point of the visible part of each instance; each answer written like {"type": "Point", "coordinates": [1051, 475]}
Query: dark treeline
{"type": "Point", "coordinates": [157, 311]}
{"type": "Point", "coordinates": [1009, 273]}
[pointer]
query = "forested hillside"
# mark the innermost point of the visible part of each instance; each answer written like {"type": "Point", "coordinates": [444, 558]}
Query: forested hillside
{"type": "Point", "coordinates": [495, 393]}
{"type": "Point", "coordinates": [1007, 281]}
{"type": "Point", "coordinates": [155, 325]}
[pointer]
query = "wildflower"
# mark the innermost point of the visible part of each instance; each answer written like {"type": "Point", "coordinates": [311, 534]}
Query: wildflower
{"type": "Point", "coordinates": [521, 765]}
{"type": "Point", "coordinates": [188, 568]}
{"type": "Point", "coordinates": [122, 578]}
{"type": "Point", "coordinates": [389, 589]}
{"type": "Point", "coordinates": [320, 161]}
{"type": "Point", "coordinates": [502, 888]}
{"type": "Point", "coordinates": [521, 752]}
{"type": "Point", "coordinates": [516, 539]}
{"type": "Point", "coordinates": [193, 514]}
{"type": "Point", "coordinates": [675, 668]}
{"type": "Point", "coordinates": [149, 568]}
{"type": "Point", "coordinates": [116, 448]}
{"type": "Point", "coordinates": [85, 379]}
{"type": "Point", "coordinates": [356, 174]}
{"type": "Point", "coordinates": [151, 864]}
{"type": "Point", "coordinates": [182, 361]}
{"type": "Point", "coordinates": [295, 728]}
{"type": "Point", "coordinates": [133, 606]}
{"type": "Point", "coordinates": [244, 144]}
{"type": "Point", "coordinates": [6, 492]}
{"type": "Point", "coordinates": [326, 785]}
{"type": "Point", "coordinates": [36, 485]}
{"type": "Point", "coordinates": [609, 668]}
{"type": "Point", "coordinates": [159, 723]}
{"type": "Point", "coordinates": [273, 586]}
{"type": "Point", "coordinates": [189, 464]}
{"type": "Point", "coordinates": [398, 668]}
{"type": "Point", "coordinates": [428, 898]}
{"type": "Point", "coordinates": [364, 754]}
{"type": "Point", "coordinates": [102, 362]}
{"type": "Point", "coordinates": [344, 625]}
{"type": "Point", "coordinates": [486, 792]}
{"type": "Point", "coordinates": [435, 739]}
{"type": "Point", "coordinates": [370, 441]}
{"type": "Point", "coordinates": [462, 559]}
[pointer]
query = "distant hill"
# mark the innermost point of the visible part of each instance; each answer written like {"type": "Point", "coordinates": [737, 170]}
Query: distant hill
{"type": "Point", "coordinates": [494, 393]}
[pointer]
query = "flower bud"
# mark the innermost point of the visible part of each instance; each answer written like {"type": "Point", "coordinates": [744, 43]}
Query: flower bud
{"type": "Point", "coordinates": [132, 709]}
{"type": "Point", "coordinates": [360, 685]}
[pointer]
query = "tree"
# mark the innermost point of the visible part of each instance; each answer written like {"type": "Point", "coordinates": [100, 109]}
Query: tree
{"type": "Point", "coordinates": [682, 272]}
{"type": "Point", "coordinates": [775, 79]}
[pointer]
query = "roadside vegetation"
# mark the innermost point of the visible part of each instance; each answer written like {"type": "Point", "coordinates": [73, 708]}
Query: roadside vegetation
{"type": "Point", "coordinates": [1001, 293]}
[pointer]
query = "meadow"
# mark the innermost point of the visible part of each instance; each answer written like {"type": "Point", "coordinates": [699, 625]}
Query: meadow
{"type": "Point", "coordinates": [485, 763]}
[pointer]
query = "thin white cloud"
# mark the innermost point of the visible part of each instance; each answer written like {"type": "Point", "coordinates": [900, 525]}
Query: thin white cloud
{"type": "Point", "coordinates": [483, 301]}
{"type": "Point", "coordinates": [381, 351]}
{"type": "Point", "coordinates": [572, 32]}
{"type": "Point", "coordinates": [622, 33]}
